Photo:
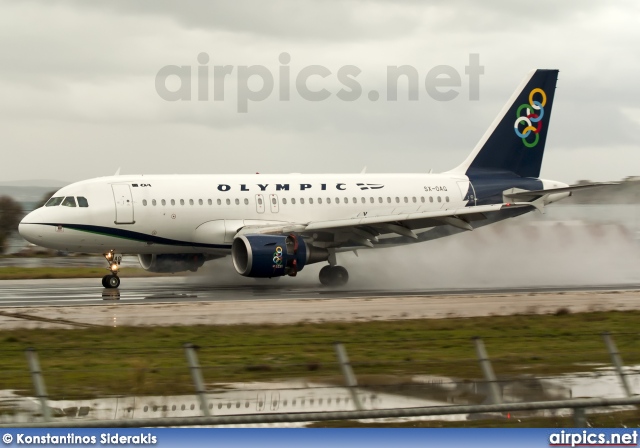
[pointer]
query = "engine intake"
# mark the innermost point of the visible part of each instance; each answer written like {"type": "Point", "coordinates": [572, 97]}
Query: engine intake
{"type": "Point", "coordinates": [272, 255]}
{"type": "Point", "coordinates": [171, 262]}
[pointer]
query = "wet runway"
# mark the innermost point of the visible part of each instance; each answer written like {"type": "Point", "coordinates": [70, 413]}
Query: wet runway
{"type": "Point", "coordinates": [189, 301]}
{"type": "Point", "coordinates": [79, 292]}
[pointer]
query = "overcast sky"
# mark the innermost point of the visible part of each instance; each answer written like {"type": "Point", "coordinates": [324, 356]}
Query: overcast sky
{"type": "Point", "coordinates": [79, 99]}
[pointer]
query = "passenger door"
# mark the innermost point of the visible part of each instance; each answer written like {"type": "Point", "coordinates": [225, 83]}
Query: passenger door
{"type": "Point", "coordinates": [124, 203]}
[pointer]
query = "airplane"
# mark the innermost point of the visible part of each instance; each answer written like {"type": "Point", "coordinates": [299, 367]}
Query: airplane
{"type": "Point", "coordinates": [275, 225]}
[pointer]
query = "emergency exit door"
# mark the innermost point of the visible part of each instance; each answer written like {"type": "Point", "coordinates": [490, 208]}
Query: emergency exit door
{"type": "Point", "coordinates": [260, 203]}
{"type": "Point", "coordinates": [124, 203]}
{"type": "Point", "coordinates": [273, 202]}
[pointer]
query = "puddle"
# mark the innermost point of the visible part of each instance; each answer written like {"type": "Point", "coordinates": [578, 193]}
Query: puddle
{"type": "Point", "coordinates": [301, 396]}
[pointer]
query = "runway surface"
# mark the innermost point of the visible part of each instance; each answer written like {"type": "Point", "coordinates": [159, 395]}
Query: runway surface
{"type": "Point", "coordinates": [75, 292]}
{"type": "Point", "coordinates": [186, 301]}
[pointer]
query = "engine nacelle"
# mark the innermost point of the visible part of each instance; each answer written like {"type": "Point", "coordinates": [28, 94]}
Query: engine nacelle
{"type": "Point", "coordinates": [272, 255]}
{"type": "Point", "coordinates": [171, 262]}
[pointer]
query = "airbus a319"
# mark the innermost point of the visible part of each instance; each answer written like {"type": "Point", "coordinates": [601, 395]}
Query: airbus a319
{"type": "Point", "coordinates": [275, 225]}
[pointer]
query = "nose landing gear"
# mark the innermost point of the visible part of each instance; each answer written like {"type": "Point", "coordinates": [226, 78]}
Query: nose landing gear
{"type": "Point", "coordinates": [112, 280]}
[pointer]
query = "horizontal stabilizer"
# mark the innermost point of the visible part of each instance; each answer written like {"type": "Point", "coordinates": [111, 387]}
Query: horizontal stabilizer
{"type": "Point", "coordinates": [515, 193]}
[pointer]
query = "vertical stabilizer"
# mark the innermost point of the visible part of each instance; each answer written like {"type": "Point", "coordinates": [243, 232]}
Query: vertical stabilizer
{"type": "Point", "coordinates": [515, 141]}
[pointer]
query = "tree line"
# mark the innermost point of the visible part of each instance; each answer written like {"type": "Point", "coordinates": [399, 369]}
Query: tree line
{"type": "Point", "coordinates": [11, 213]}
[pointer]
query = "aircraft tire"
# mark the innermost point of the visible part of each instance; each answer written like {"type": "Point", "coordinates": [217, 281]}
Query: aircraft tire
{"type": "Point", "coordinates": [105, 281]}
{"type": "Point", "coordinates": [334, 276]}
{"type": "Point", "coordinates": [113, 281]}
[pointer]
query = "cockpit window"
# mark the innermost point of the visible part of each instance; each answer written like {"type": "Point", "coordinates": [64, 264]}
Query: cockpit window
{"type": "Point", "coordinates": [69, 201]}
{"type": "Point", "coordinates": [82, 202]}
{"type": "Point", "coordinates": [54, 201]}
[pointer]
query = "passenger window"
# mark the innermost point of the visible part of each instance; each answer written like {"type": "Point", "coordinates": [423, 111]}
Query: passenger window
{"type": "Point", "coordinates": [422, 199]}
{"type": "Point", "coordinates": [319, 200]}
{"type": "Point", "coordinates": [355, 200]}
{"type": "Point", "coordinates": [259, 201]}
{"type": "Point", "coordinates": [144, 202]}
{"type": "Point", "coordinates": [181, 201]}
{"type": "Point", "coordinates": [363, 200]}
{"type": "Point", "coordinates": [447, 198]}
{"type": "Point", "coordinates": [328, 200]}
{"type": "Point", "coordinates": [69, 201]}
{"type": "Point", "coordinates": [219, 202]}
{"type": "Point", "coordinates": [380, 199]}
{"type": "Point", "coordinates": [302, 201]}
{"type": "Point", "coordinates": [414, 200]}
{"type": "Point", "coordinates": [54, 202]}
{"type": "Point", "coordinates": [293, 201]}
{"type": "Point", "coordinates": [310, 200]}
{"type": "Point", "coordinates": [200, 201]}
{"type": "Point", "coordinates": [284, 201]}
{"type": "Point", "coordinates": [190, 201]}
{"type": "Point", "coordinates": [82, 202]}
{"type": "Point", "coordinates": [228, 201]}
{"type": "Point", "coordinates": [439, 199]}
{"type": "Point", "coordinates": [273, 201]}
{"type": "Point", "coordinates": [406, 199]}
{"type": "Point", "coordinates": [397, 199]}
{"type": "Point", "coordinates": [153, 202]}
{"type": "Point", "coordinates": [237, 201]}
{"type": "Point", "coordinates": [173, 202]}
{"type": "Point", "coordinates": [372, 200]}
{"type": "Point", "coordinates": [337, 200]}
{"type": "Point", "coordinates": [210, 202]}
{"type": "Point", "coordinates": [163, 202]}
{"type": "Point", "coordinates": [430, 198]}
{"type": "Point", "coordinates": [346, 200]}
{"type": "Point", "coordinates": [246, 201]}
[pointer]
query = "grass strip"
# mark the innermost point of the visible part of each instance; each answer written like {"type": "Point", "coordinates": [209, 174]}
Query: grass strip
{"type": "Point", "coordinates": [80, 363]}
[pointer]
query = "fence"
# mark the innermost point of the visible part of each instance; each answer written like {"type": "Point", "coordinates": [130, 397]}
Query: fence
{"type": "Point", "coordinates": [491, 387]}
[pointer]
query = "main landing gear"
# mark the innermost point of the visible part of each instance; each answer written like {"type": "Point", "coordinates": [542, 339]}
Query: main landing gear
{"type": "Point", "coordinates": [112, 280]}
{"type": "Point", "coordinates": [334, 276]}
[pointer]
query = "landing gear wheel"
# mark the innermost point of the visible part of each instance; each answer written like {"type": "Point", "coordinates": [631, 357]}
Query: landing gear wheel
{"type": "Point", "coordinates": [111, 281]}
{"type": "Point", "coordinates": [114, 281]}
{"type": "Point", "coordinates": [334, 276]}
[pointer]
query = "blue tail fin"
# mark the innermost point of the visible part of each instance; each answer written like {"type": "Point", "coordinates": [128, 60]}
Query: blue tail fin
{"type": "Point", "coordinates": [514, 143]}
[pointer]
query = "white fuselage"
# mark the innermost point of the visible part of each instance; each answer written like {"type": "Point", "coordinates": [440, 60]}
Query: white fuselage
{"type": "Point", "coordinates": [201, 213]}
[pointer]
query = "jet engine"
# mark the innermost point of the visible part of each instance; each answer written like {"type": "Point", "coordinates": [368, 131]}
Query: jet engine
{"type": "Point", "coordinates": [171, 262]}
{"type": "Point", "coordinates": [273, 255]}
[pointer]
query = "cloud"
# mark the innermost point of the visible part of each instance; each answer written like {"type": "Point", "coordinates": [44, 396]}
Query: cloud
{"type": "Point", "coordinates": [79, 76]}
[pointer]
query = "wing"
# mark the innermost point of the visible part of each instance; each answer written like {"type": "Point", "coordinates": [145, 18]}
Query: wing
{"type": "Point", "coordinates": [391, 229]}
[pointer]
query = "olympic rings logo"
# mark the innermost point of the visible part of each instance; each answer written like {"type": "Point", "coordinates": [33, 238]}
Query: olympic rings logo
{"type": "Point", "coordinates": [277, 256]}
{"type": "Point", "coordinates": [534, 111]}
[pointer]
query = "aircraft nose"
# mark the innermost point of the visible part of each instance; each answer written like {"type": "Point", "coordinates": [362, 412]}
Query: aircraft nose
{"type": "Point", "coordinates": [29, 230]}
